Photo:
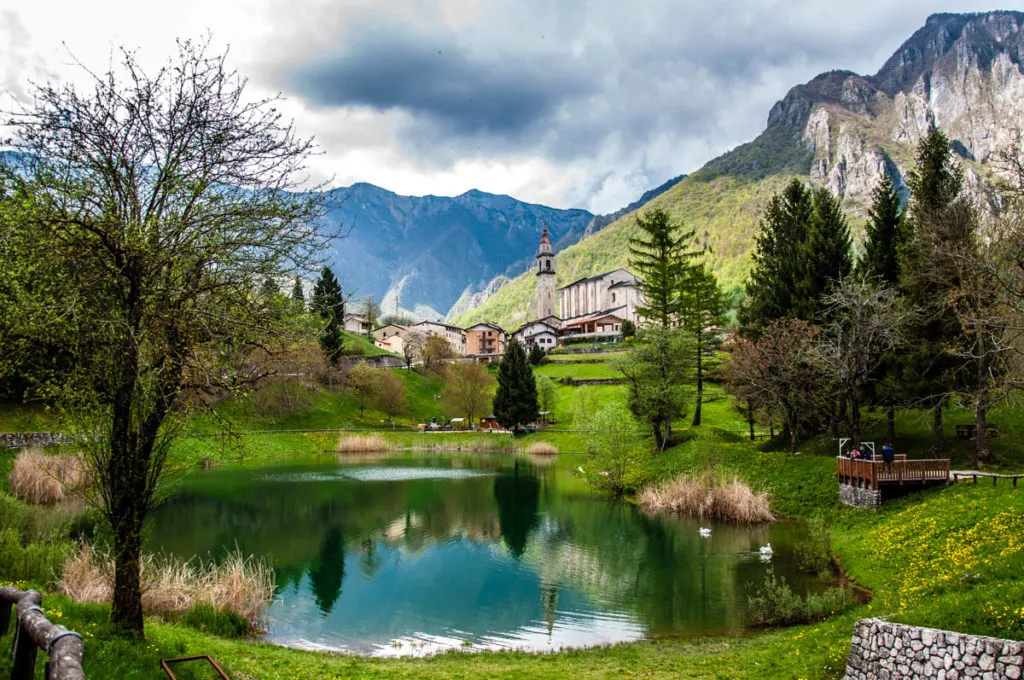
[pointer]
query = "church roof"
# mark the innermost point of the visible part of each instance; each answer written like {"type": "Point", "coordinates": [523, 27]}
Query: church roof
{"type": "Point", "coordinates": [598, 277]}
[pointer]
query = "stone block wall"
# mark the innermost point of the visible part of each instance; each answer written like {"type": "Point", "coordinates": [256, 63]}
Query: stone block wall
{"type": "Point", "coordinates": [892, 651]}
{"type": "Point", "coordinates": [860, 498]}
{"type": "Point", "coordinates": [21, 440]}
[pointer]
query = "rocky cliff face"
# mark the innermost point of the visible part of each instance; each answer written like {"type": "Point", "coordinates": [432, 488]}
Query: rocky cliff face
{"type": "Point", "coordinates": [962, 72]}
{"type": "Point", "coordinates": [471, 299]}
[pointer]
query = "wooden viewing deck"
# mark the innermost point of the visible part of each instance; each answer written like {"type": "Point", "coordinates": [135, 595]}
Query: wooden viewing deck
{"type": "Point", "coordinates": [874, 474]}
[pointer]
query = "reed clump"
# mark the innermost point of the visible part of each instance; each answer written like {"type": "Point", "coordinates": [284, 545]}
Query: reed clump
{"type": "Point", "coordinates": [541, 449]}
{"type": "Point", "coordinates": [708, 496]}
{"type": "Point", "coordinates": [363, 444]}
{"type": "Point", "coordinates": [171, 587]}
{"type": "Point", "coordinates": [47, 480]}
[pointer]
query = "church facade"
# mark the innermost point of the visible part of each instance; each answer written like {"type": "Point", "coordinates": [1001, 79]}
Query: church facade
{"type": "Point", "coordinates": [594, 306]}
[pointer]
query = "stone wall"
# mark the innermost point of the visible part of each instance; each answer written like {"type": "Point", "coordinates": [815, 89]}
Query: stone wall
{"type": "Point", "coordinates": [860, 498]}
{"type": "Point", "coordinates": [20, 440]}
{"type": "Point", "coordinates": [890, 651]}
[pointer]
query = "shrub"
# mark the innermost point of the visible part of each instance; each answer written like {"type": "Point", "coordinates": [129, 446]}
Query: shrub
{"type": "Point", "coordinates": [708, 496]}
{"type": "Point", "coordinates": [241, 585]}
{"type": "Point", "coordinates": [775, 604]}
{"type": "Point", "coordinates": [32, 562]}
{"type": "Point", "coordinates": [363, 444]}
{"type": "Point", "coordinates": [814, 553]}
{"type": "Point", "coordinates": [46, 480]}
{"type": "Point", "coordinates": [542, 449]}
{"type": "Point", "coordinates": [224, 622]}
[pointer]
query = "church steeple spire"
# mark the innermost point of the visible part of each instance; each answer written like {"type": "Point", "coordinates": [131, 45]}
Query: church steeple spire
{"type": "Point", "coordinates": [545, 277]}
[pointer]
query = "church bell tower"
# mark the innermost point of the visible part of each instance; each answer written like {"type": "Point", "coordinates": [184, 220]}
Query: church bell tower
{"type": "Point", "coordinates": [545, 277]}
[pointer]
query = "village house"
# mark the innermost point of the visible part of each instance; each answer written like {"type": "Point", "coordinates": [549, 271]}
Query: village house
{"type": "Point", "coordinates": [599, 325]}
{"type": "Point", "coordinates": [455, 336]}
{"type": "Point", "coordinates": [485, 339]}
{"type": "Point", "coordinates": [354, 323]}
{"type": "Point", "coordinates": [392, 343]}
{"type": "Point", "coordinates": [541, 333]}
{"type": "Point", "coordinates": [389, 330]}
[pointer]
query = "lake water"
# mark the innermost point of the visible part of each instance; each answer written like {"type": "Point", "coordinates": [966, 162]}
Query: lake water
{"type": "Point", "coordinates": [398, 555]}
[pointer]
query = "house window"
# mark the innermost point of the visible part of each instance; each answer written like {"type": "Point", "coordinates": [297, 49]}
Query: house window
{"type": "Point", "coordinates": [613, 298]}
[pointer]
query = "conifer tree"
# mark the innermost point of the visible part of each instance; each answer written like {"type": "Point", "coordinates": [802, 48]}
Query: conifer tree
{"type": "Point", "coordinates": [929, 273]}
{"type": "Point", "coordinates": [661, 255]}
{"type": "Point", "coordinates": [703, 316]}
{"type": "Point", "coordinates": [269, 288]}
{"type": "Point", "coordinates": [824, 256]}
{"type": "Point", "coordinates": [885, 234]}
{"type": "Point", "coordinates": [297, 293]}
{"type": "Point", "coordinates": [515, 403]}
{"type": "Point", "coordinates": [777, 269]}
{"type": "Point", "coordinates": [329, 304]}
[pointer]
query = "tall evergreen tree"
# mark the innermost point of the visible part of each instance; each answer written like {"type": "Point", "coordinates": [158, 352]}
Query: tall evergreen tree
{"type": "Point", "coordinates": [930, 272]}
{"type": "Point", "coordinates": [297, 293]}
{"type": "Point", "coordinates": [703, 315]}
{"type": "Point", "coordinates": [771, 289]}
{"type": "Point", "coordinates": [884, 235]}
{"type": "Point", "coordinates": [515, 403]}
{"type": "Point", "coordinates": [661, 255]}
{"type": "Point", "coordinates": [329, 304]}
{"type": "Point", "coordinates": [824, 256]}
{"type": "Point", "coordinates": [269, 288]}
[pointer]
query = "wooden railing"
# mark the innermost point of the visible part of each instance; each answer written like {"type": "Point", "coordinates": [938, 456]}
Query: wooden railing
{"type": "Point", "coordinates": [872, 474]}
{"type": "Point", "coordinates": [32, 632]}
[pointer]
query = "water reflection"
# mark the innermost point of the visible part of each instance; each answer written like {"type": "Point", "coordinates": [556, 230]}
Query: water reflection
{"type": "Point", "coordinates": [495, 551]}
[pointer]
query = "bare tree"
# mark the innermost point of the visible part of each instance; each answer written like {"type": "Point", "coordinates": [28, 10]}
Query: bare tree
{"type": "Point", "coordinates": [412, 347]}
{"type": "Point", "coordinates": [363, 380]}
{"type": "Point", "coordinates": [390, 395]}
{"type": "Point", "coordinates": [151, 207]}
{"type": "Point", "coordinates": [436, 353]}
{"type": "Point", "coordinates": [468, 389]}
{"type": "Point", "coordinates": [864, 320]}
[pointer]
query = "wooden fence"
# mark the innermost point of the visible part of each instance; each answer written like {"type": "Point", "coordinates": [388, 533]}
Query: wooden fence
{"type": "Point", "coordinates": [873, 474]}
{"type": "Point", "coordinates": [32, 632]}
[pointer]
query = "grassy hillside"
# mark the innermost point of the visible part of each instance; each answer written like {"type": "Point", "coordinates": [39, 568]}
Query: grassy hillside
{"type": "Point", "coordinates": [724, 211]}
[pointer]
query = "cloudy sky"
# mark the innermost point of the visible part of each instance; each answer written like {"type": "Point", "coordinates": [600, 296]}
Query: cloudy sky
{"type": "Point", "coordinates": [566, 102]}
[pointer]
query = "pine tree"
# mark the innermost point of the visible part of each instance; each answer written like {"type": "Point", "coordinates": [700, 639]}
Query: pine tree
{"type": "Point", "coordinates": [269, 288]}
{"type": "Point", "coordinates": [704, 315]}
{"type": "Point", "coordinates": [297, 293]}
{"type": "Point", "coordinates": [329, 304]}
{"type": "Point", "coordinates": [771, 289]}
{"type": "Point", "coordinates": [885, 234]}
{"type": "Point", "coordinates": [929, 273]}
{"type": "Point", "coordinates": [515, 403]}
{"type": "Point", "coordinates": [661, 255]}
{"type": "Point", "coordinates": [824, 256]}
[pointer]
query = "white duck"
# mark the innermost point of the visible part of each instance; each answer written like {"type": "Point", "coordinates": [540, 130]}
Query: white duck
{"type": "Point", "coordinates": [705, 532]}
{"type": "Point", "coordinates": [766, 550]}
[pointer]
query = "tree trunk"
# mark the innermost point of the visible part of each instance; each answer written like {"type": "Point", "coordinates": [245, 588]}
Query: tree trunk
{"type": "Point", "coordinates": [891, 415]}
{"type": "Point", "coordinates": [854, 404]}
{"type": "Point", "coordinates": [668, 433]}
{"type": "Point", "coordinates": [126, 610]}
{"type": "Point", "coordinates": [937, 439]}
{"type": "Point", "coordinates": [700, 387]}
{"type": "Point", "coordinates": [750, 421]}
{"type": "Point", "coordinates": [659, 443]}
{"type": "Point", "coordinates": [981, 450]}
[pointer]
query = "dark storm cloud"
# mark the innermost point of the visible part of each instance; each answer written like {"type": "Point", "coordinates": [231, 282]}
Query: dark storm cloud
{"type": "Point", "coordinates": [391, 68]}
{"type": "Point", "coordinates": [636, 91]}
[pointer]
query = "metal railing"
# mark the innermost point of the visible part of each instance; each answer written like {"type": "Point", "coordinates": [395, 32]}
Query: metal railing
{"type": "Point", "coordinates": [32, 632]}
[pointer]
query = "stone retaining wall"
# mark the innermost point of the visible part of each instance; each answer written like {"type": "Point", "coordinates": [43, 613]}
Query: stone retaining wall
{"type": "Point", "coordinates": [860, 498]}
{"type": "Point", "coordinates": [890, 651]}
{"type": "Point", "coordinates": [21, 440]}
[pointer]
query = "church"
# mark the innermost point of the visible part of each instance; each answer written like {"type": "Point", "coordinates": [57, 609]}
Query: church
{"type": "Point", "coordinates": [593, 307]}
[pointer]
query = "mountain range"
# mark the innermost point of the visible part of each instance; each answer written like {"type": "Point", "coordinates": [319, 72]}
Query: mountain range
{"type": "Point", "coordinates": [420, 255]}
{"type": "Point", "coordinates": [841, 130]}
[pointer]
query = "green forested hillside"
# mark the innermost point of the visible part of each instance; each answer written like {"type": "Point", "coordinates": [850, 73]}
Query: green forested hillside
{"type": "Point", "coordinates": [724, 211]}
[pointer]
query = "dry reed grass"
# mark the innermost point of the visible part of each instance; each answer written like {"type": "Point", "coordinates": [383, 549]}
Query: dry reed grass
{"type": "Point", "coordinates": [708, 496]}
{"type": "Point", "coordinates": [243, 585]}
{"type": "Point", "coordinates": [46, 480]}
{"type": "Point", "coordinates": [363, 444]}
{"type": "Point", "coordinates": [541, 449]}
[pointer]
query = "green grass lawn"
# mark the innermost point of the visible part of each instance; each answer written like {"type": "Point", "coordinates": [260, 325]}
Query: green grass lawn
{"type": "Point", "coordinates": [951, 557]}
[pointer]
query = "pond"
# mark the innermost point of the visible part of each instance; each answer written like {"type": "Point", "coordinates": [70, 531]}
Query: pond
{"type": "Point", "coordinates": [399, 554]}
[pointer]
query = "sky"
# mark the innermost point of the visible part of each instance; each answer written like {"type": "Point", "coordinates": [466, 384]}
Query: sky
{"type": "Point", "coordinates": [567, 103]}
